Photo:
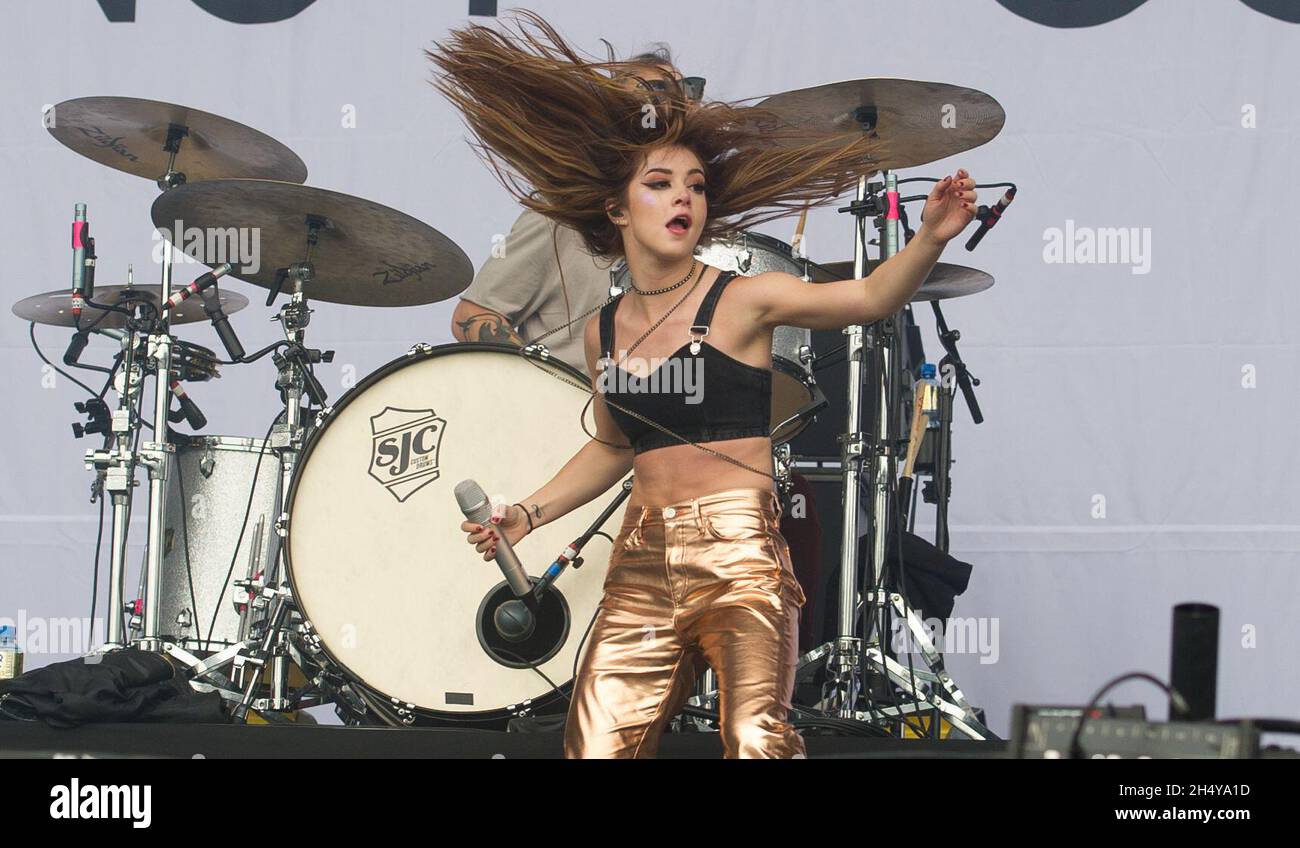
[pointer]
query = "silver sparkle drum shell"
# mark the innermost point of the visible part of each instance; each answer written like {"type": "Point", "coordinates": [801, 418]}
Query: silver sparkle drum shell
{"type": "Point", "coordinates": [209, 491]}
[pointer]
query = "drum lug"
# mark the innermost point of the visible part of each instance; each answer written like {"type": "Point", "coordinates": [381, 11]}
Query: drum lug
{"type": "Point", "coordinates": [807, 355]}
{"type": "Point", "coordinates": [539, 350]}
{"type": "Point", "coordinates": [323, 414]}
{"type": "Point", "coordinates": [282, 525]}
{"type": "Point", "coordinates": [420, 348]}
{"type": "Point", "coordinates": [309, 640]}
{"type": "Point", "coordinates": [405, 712]}
{"type": "Point", "coordinates": [743, 260]}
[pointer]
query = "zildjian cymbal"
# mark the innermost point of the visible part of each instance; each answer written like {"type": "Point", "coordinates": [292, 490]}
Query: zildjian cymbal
{"type": "Point", "coordinates": [360, 252]}
{"type": "Point", "coordinates": [914, 122]}
{"type": "Point", "coordinates": [137, 136]}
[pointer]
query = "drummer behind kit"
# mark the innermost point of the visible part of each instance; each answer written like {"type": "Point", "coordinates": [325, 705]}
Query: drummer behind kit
{"type": "Point", "coordinates": [332, 543]}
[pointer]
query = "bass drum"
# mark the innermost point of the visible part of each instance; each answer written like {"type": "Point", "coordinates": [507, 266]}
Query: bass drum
{"type": "Point", "coordinates": [395, 599]}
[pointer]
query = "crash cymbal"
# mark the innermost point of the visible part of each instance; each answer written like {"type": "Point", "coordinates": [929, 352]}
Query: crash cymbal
{"type": "Point", "coordinates": [944, 283]}
{"type": "Point", "coordinates": [365, 254]}
{"type": "Point", "coordinates": [916, 122]}
{"type": "Point", "coordinates": [131, 135]}
{"type": "Point", "coordinates": [55, 308]}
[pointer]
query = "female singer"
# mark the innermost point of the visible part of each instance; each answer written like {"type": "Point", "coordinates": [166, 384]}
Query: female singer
{"type": "Point", "coordinates": [680, 367]}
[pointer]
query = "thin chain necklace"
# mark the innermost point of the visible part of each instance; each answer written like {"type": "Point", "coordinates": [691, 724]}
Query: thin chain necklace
{"type": "Point", "coordinates": [664, 317]}
{"type": "Point", "coordinates": [666, 289]}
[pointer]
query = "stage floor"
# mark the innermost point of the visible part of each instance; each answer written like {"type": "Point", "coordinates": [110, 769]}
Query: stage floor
{"type": "Point", "coordinates": [216, 741]}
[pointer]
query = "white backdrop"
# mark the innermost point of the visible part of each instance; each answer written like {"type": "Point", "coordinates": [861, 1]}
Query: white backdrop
{"type": "Point", "coordinates": [1137, 450]}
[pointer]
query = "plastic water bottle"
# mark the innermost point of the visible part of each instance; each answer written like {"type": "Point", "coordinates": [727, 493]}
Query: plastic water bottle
{"type": "Point", "coordinates": [929, 387]}
{"type": "Point", "coordinates": [11, 659]}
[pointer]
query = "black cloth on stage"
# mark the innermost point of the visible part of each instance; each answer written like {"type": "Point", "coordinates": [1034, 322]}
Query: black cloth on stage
{"type": "Point", "coordinates": [125, 685]}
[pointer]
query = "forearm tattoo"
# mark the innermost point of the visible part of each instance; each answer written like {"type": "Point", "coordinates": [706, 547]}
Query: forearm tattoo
{"type": "Point", "coordinates": [491, 328]}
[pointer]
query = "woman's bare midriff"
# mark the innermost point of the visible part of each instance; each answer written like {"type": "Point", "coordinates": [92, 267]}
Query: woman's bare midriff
{"type": "Point", "coordinates": [681, 472]}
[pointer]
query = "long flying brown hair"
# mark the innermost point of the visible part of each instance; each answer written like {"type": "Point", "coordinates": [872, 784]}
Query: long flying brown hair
{"type": "Point", "coordinates": [565, 136]}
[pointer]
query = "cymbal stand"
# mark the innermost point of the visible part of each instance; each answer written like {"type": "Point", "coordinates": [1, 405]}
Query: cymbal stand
{"type": "Point", "coordinates": [843, 656]}
{"type": "Point", "coordinates": [115, 464]}
{"type": "Point", "coordinates": [295, 381]}
{"type": "Point", "coordinates": [156, 454]}
{"type": "Point", "coordinates": [850, 660]}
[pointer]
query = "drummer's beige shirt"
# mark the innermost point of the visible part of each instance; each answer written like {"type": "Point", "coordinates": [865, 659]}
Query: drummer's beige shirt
{"type": "Point", "coordinates": [521, 281]}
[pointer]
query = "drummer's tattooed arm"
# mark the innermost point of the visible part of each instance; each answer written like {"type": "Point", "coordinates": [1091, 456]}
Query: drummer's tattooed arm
{"type": "Point", "coordinates": [470, 325]}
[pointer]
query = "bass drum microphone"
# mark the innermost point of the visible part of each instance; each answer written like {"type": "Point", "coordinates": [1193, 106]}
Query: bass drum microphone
{"type": "Point", "coordinates": [518, 636]}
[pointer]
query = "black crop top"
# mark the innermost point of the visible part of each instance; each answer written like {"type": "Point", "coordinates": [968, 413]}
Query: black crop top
{"type": "Point", "coordinates": [698, 392]}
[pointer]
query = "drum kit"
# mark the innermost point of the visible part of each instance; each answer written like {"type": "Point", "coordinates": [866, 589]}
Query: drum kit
{"type": "Point", "coordinates": [322, 563]}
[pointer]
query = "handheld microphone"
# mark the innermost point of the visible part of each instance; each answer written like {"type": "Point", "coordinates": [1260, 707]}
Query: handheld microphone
{"type": "Point", "coordinates": [197, 286]}
{"type": "Point", "coordinates": [80, 235]}
{"type": "Point", "coordinates": [221, 323]}
{"type": "Point", "coordinates": [513, 619]}
{"type": "Point", "coordinates": [990, 218]}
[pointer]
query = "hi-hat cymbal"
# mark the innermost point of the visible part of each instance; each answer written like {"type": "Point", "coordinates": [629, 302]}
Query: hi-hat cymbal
{"type": "Point", "coordinates": [130, 134]}
{"type": "Point", "coordinates": [365, 254]}
{"type": "Point", "coordinates": [944, 283]}
{"type": "Point", "coordinates": [916, 122]}
{"type": "Point", "coordinates": [55, 308]}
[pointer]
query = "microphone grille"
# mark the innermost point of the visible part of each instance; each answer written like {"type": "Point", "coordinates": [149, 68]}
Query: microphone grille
{"type": "Point", "coordinates": [469, 495]}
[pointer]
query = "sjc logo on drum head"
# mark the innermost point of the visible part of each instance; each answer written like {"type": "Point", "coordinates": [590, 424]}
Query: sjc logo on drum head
{"type": "Point", "coordinates": [404, 456]}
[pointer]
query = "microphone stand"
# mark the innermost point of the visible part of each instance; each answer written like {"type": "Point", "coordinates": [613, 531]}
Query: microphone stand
{"type": "Point", "coordinates": [571, 553]}
{"type": "Point", "coordinates": [942, 454]}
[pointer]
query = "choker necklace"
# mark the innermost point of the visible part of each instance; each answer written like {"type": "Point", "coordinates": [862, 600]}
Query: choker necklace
{"type": "Point", "coordinates": [666, 289]}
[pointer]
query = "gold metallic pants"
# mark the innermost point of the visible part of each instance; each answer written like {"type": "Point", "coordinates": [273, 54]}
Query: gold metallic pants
{"type": "Point", "coordinates": [707, 580]}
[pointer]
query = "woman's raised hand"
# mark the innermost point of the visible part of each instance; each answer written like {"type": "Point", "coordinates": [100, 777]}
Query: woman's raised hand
{"type": "Point", "coordinates": [949, 208]}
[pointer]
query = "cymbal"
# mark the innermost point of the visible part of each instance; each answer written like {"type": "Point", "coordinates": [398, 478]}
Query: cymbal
{"type": "Point", "coordinates": [916, 122]}
{"type": "Point", "coordinates": [944, 283]}
{"type": "Point", "coordinates": [366, 254]}
{"type": "Point", "coordinates": [129, 134]}
{"type": "Point", "coordinates": [55, 308]}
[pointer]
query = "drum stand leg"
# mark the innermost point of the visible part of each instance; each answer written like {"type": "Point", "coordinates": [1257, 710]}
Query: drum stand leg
{"type": "Point", "coordinates": [250, 662]}
{"type": "Point", "coordinates": [271, 648]}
